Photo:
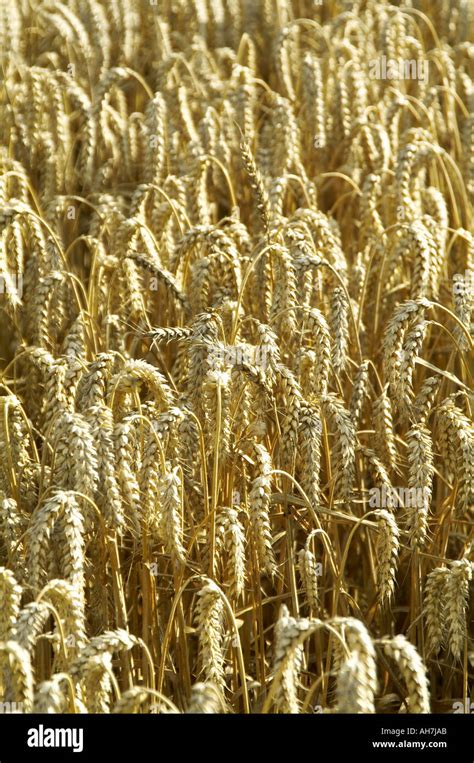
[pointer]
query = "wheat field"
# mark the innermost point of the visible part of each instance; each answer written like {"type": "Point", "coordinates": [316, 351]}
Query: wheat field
{"type": "Point", "coordinates": [236, 289]}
